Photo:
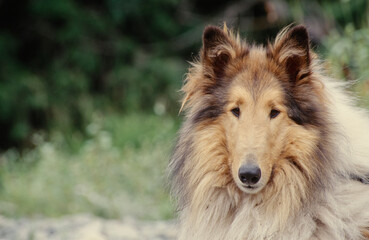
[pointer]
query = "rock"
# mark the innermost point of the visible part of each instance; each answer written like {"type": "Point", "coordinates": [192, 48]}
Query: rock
{"type": "Point", "coordinates": [85, 227]}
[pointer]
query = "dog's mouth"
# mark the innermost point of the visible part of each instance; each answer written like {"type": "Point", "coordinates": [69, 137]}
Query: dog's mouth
{"type": "Point", "coordinates": [251, 189]}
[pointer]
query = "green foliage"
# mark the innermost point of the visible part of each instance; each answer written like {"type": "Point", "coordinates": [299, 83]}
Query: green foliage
{"type": "Point", "coordinates": [62, 59]}
{"type": "Point", "coordinates": [348, 55]}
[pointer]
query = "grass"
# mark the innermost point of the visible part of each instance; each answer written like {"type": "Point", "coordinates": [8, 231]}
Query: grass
{"type": "Point", "coordinates": [118, 171]}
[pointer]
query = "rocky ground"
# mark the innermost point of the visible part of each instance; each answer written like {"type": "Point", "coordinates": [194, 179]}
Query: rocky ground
{"type": "Point", "coordinates": [85, 227]}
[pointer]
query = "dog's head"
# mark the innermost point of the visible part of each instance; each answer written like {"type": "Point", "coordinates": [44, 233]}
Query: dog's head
{"type": "Point", "coordinates": [266, 101]}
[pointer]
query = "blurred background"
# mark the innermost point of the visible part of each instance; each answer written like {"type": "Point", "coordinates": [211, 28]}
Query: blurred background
{"type": "Point", "coordinates": [89, 92]}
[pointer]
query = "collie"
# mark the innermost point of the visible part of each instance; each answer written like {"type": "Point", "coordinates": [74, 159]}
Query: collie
{"type": "Point", "coordinates": [271, 148]}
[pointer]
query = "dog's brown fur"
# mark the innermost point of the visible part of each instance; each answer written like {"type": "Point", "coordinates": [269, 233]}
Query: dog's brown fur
{"type": "Point", "coordinates": [295, 150]}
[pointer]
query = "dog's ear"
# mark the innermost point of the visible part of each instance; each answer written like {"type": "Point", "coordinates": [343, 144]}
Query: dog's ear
{"type": "Point", "coordinates": [220, 46]}
{"type": "Point", "coordinates": [291, 49]}
{"type": "Point", "coordinates": [217, 50]}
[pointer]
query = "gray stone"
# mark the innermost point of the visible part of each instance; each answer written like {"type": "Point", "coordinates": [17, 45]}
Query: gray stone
{"type": "Point", "coordinates": [85, 227]}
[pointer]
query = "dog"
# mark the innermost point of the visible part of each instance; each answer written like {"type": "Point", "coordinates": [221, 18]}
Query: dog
{"type": "Point", "coordinates": [271, 147]}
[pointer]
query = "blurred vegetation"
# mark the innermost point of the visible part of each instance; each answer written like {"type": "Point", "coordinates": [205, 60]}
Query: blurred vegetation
{"type": "Point", "coordinates": [63, 60]}
{"type": "Point", "coordinates": [119, 170]}
{"type": "Point", "coordinates": [89, 91]}
{"type": "Point", "coordinates": [348, 58]}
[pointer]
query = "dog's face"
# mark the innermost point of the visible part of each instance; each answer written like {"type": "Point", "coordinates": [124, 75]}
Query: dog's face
{"type": "Point", "coordinates": [265, 101]}
{"type": "Point", "coordinates": [256, 123]}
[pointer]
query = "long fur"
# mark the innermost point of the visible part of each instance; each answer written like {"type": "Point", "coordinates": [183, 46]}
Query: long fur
{"type": "Point", "coordinates": [316, 185]}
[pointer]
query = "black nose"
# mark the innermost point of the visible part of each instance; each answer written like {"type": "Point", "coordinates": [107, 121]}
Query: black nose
{"type": "Point", "coordinates": [249, 174]}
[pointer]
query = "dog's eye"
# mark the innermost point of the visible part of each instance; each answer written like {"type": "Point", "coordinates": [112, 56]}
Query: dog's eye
{"type": "Point", "coordinates": [274, 113]}
{"type": "Point", "coordinates": [236, 111]}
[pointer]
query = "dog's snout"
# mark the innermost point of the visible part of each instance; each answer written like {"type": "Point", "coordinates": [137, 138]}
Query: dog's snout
{"type": "Point", "coordinates": [249, 174]}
